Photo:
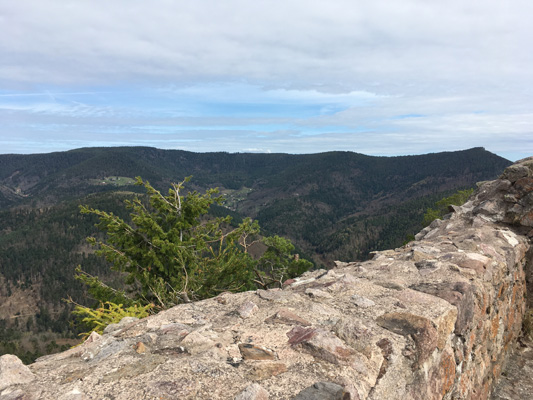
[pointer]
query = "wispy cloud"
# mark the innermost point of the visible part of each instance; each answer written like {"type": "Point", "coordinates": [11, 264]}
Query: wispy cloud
{"type": "Point", "coordinates": [376, 77]}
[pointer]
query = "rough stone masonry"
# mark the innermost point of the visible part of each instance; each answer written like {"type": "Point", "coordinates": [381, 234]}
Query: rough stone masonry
{"type": "Point", "coordinates": [435, 319]}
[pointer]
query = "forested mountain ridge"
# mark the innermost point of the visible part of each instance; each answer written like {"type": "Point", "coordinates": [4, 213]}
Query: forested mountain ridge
{"type": "Point", "coordinates": [37, 175]}
{"type": "Point", "coordinates": [335, 205]}
{"type": "Point", "coordinates": [306, 197]}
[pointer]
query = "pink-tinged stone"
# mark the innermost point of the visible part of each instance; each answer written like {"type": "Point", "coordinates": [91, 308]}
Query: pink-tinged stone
{"type": "Point", "coordinates": [524, 185]}
{"type": "Point", "coordinates": [325, 345]}
{"type": "Point", "coordinates": [419, 328]}
{"type": "Point", "coordinates": [527, 219]}
{"type": "Point", "coordinates": [355, 334]}
{"type": "Point", "coordinates": [442, 377]}
{"type": "Point", "coordinates": [298, 334]}
{"type": "Point", "coordinates": [93, 337]}
{"type": "Point", "coordinates": [488, 207]}
{"type": "Point", "coordinates": [415, 296]}
{"type": "Point", "coordinates": [253, 392]}
{"type": "Point", "coordinates": [475, 261]}
{"type": "Point", "coordinates": [386, 350]}
{"type": "Point", "coordinates": [284, 316]}
{"type": "Point", "coordinates": [459, 294]}
{"type": "Point", "coordinates": [490, 251]}
{"type": "Point", "coordinates": [247, 309]}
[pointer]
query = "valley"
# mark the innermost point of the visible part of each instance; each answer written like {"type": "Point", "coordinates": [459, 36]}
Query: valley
{"type": "Point", "coordinates": [333, 206]}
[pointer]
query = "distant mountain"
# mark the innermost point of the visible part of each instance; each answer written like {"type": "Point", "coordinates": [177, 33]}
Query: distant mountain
{"type": "Point", "coordinates": [321, 201]}
{"type": "Point", "coordinates": [335, 205]}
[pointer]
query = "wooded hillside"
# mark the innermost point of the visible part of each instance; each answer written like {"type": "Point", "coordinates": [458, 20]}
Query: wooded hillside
{"type": "Point", "coordinates": [333, 206]}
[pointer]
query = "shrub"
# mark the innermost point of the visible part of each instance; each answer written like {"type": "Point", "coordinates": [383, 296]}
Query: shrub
{"type": "Point", "coordinates": [95, 320]}
{"type": "Point", "coordinates": [457, 199]}
{"type": "Point", "coordinates": [171, 252]}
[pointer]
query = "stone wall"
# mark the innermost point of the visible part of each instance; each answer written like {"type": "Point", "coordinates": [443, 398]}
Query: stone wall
{"type": "Point", "coordinates": [434, 319]}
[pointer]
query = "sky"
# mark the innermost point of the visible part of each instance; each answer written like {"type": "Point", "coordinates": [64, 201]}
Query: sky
{"type": "Point", "coordinates": [380, 77]}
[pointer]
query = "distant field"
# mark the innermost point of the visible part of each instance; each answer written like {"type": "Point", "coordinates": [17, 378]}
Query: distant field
{"type": "Point", "coordinates": [114, 181]}
{"type": "Point", "coordinates": [233, 197]}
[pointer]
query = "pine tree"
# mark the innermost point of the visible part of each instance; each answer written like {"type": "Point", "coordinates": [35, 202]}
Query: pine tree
{"type": "Point", "coordinates": [171, 251]}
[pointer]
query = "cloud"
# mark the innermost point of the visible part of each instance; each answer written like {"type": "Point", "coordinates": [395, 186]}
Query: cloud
{"type": "Point", "coordinates": [343, 44]}
{"type": "Point", "coordinates": [380, 77]}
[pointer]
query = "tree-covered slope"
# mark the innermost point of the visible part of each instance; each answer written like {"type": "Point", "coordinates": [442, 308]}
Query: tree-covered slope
{"type": "Point", "coordinates": [306, 197]}
{"type": "Point", "coordinates": [333, 206]}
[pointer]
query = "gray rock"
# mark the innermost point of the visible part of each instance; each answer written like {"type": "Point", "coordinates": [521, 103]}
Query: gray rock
{"type": "Point", "coordinates": [253, 392]}
{"type": "Point", "coordinates": [362, 302]}
{"type": "Point", "coordinates": [15, 394]}
{"type": "Point", "coordinates": [123, 322]}
{"type": "Point", "coordinates": [106, 348]}
{"type": "Point", "coordinates": [13, 371]}
{"type": "Point", "coordinates": [287, 317]}
{"type": "Point", "coordinates": [515, 172]}
{"type": "Point", "coordinates": [275, 295]}
{"type": "Point", "coordinates": [74, 394]}
{"type": "Point", "coordinates": [111, 328]}
{"type": "Point", "coordinates": [420, 235]}
{"type": "Point", "coordinates": [321, 391]}
{"type": "Point", "coordinates": [313, 292]}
